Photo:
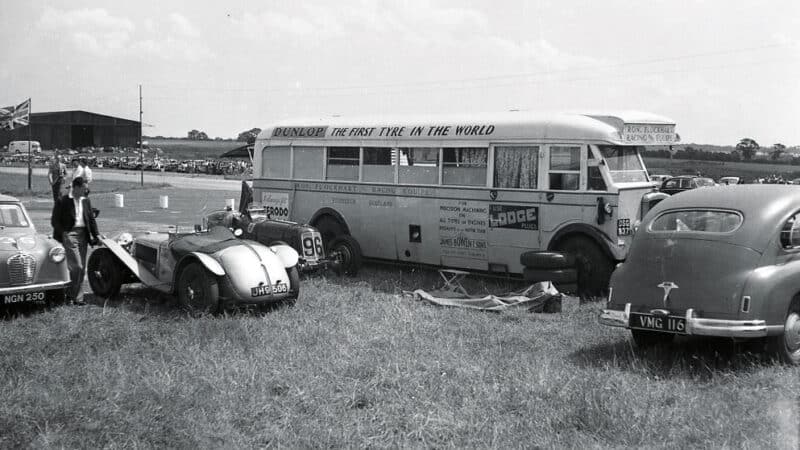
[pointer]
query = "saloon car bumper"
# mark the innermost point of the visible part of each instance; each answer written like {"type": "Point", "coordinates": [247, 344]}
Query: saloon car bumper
{"type": "Point", "coordinates": [34, 287]}
{"type": "Point", "coordinates": [695, 325]}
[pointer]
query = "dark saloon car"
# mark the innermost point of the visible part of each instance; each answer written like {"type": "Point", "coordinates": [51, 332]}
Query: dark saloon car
{"type": "Point", "coordinates": [683, 183]}
{"type": "Point", "coordinates": [714, 262]}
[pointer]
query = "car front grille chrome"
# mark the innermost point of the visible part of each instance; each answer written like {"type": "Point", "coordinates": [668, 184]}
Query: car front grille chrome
{"type": "Point", "coordinates": [21, 269]}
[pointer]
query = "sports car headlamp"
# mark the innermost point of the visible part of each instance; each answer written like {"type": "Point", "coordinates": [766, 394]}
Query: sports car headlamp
{"type": "Point", "coordinates": [124, 239]}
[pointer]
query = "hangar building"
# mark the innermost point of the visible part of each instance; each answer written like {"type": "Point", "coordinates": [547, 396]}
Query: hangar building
{"type": "Point", "coordinates": [75, 129]}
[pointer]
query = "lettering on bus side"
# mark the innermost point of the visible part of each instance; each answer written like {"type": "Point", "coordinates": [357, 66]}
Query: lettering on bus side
{"type": "Point", "coordinates": [521, 217]}
{"type": "Point", "coordinates": [299, 132]}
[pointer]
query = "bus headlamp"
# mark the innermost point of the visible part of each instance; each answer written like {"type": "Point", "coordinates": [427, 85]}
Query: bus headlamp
{"type": "Point", "coordinates": [608, 208]}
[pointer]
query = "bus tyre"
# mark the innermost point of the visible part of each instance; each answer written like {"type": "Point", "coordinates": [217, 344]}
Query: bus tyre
{"type": "Point", "coordinates": [594, 267]}
{"type": "Point", "coordinates": [785, 347]}
{"type": "Point", "coordinates": [346, 255]}
{"type": "Point", "coordinates": [554, 275]}
{"type": "Point", "coordinates": [547, 260]}
{"type": "Point", "coordinates": [648, 339]}
{"type": "Point", "coordinates": [330, 229]}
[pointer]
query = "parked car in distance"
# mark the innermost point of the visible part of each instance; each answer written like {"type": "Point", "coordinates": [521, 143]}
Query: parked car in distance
{"type": "Point", "coordinates": [729, 180]}
{"type": "Point", "coordinates": [207, 270]}
{"type": "Point", "coordinates": [659, 178]}
{"type": "Point", "coordinates": [32, 266]}
{"type": "Point", "coordinates": [682, 183]}
{"type": "Point", "coordinates": [714, 262]}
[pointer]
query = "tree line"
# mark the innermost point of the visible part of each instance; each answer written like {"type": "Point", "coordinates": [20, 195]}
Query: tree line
{"type": "Point", "coordinates": [248, 136]}
{"type": "Point", "coordinates": [745, 150]}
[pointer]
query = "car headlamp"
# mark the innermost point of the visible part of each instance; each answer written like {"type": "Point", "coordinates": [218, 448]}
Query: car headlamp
{"type": "Point", "coordinates": [57, 254]}
{"type": "Point", "coordinates": [124, 239]}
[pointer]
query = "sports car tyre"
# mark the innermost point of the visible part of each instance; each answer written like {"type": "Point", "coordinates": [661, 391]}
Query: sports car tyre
{"type": "Point", "coordinates": [294, 286]}
{"type": "Point", "coordinates": [647, 339]}
{"type": "Point", "coordinates": [105, 273]}
{"type": "Point", "coordinates": [594, 267]}
{"type": "Point", "coordinates": [547, 260]}
{"type": "Point", "coordinates": [198, 289]}
{"type": "Point", "coordinates": [346, 253]}
{"type": "Point", "coordinates": [555, 275]}
{"type": "Point", "coordinates": [785, 347]}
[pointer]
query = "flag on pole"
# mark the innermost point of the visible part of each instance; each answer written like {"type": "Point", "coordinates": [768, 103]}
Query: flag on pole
{"type": "Point", "coordinates": [12, 117]}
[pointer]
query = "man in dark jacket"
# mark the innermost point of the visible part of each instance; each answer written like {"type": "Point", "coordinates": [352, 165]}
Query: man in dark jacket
{"type": "Point", "coordinates": [74, 226]}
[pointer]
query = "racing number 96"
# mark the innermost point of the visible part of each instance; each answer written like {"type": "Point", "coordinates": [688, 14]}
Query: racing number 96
{"type": "Point", "coordinates": [312, 244]}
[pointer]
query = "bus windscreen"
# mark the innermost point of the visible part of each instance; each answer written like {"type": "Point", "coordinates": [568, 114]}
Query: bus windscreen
{"type": "Point", "coordinates": [624, 163]}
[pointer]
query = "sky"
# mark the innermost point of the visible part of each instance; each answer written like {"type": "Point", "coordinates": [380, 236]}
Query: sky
{"type": "Point", "coordinates": [723, 70]}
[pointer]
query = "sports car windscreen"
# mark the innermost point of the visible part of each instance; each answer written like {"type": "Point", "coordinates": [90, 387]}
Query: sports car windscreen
{"type": "Point", "coordinates": [624, 163]}
{"type": "Point", "coordinates": [12, 216]}
{"type": "Point", "coordinates": [697, 220]}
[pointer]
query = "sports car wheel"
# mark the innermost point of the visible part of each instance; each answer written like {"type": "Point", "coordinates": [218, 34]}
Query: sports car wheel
{"type": "Point", "coordinates": [105, 273]}
{"type": "Point", "coordinates": [198, 289]}
{"type": "Point", "coordinates": [647, 339]}
{"type": "Point", "coordinates": [346, 254]}
{"type": "Point", "coordinates": [294, 286]}
{"type": "Point", "coordinates": [786, 346]}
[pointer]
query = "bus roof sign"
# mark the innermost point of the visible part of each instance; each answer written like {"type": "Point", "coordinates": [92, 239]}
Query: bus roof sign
{"type": "Point", "coordinates": [649, 134]}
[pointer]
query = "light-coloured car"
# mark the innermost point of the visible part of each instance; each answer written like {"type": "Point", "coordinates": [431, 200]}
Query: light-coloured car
{"type": "Point", "coordinates": [729, 180]}
{"type": "Point", "coordinates": [714, 262]}
{"type": "Point", "coordinates": [32, 266]}
{"type": "Point", "coordinates": [207, 270]}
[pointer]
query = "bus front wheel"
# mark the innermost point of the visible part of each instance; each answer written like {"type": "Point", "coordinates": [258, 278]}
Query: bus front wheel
{"type": "Point", "coordinates": [594, 267]}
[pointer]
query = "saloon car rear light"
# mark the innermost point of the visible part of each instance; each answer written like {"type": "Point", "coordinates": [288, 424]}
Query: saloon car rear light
{"type": "Point", "coordinates": [57, 254]}
{"type": "Point", "coordinates": [746, 303]}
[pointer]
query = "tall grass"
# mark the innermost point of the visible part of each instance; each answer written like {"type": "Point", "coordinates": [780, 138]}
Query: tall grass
{"type": "Point", "coordinates": [355, 365]}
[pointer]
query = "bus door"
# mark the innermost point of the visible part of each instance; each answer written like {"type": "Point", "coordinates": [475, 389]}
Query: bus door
{"type": "Point", "coordinates": [514, 215]}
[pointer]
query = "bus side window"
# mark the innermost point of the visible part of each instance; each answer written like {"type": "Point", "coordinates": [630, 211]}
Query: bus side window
{"type": "Point", "coordinates": [464, 166]}
{"type": "Point", "coordinates": [379, 164]}
{"type": "Point", "coordinates": [565, 167]}
{"type": "Point", "coordinates": [275, 162]}
{"type": "Point", "coordinates": [419, 165]}
{"type": "Point", "coordinates": [308, 163]}
{"type": "Point", "coordinates": [516, 167]}
{"type": "Point", "coordinates": [343, 163]}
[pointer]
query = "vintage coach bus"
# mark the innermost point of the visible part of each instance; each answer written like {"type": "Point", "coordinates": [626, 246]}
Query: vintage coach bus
{"type": "Point", "coordinates": [468, 192]}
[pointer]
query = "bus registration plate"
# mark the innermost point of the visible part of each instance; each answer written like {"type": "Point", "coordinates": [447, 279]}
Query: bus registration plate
{"type": "Point", "coordinates": [670, 324]}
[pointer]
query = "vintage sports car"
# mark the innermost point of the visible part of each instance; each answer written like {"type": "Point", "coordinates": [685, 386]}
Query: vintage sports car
{"type": "Point", "coordinates": [207, 270]}
{"type": "Point", "coordinates": [32, 266]}
{"type": "Point", "coordinates": [714, 262]}
{"type": "Point", "coordinates": [256, 225]}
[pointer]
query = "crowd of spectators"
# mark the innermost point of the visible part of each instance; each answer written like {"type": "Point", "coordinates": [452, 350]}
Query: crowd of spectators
{"type": "Point", "coordinates": [212, 166]}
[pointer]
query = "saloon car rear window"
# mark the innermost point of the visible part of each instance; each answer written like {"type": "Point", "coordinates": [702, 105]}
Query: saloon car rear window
{"type": "Point", "coordinates": [697, 220]}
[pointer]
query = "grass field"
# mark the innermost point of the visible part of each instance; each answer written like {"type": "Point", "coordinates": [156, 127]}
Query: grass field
{"type": "Point", "coordinates": [716, 169]}
{"type": "Point", "coordinates": [356, 364]}
{"type": "Point", "coordinates": [17, 185]}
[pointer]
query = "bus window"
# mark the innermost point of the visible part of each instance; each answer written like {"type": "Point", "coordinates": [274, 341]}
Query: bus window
{"type": "Point", "coordinates": [308, 163]}
{"type": "Point", "coordinates": [516, 167]}
{"type": "Point", "coordinates": [275, 162]}
{"type": "Point", "coordinates": [378, 164]}
{"type": "Point", "coordinates": [595, 180]}
{"type": "Point", "coordinates": [565, 167]}
{"type": "Point", "coordinates": [624, 163]}
{"type": "Point", "coordinates": [343, 163]}
{"type": "Point", "coordinates": [419, 165]}
{"type": "Point", "coordinates": [464, 166]}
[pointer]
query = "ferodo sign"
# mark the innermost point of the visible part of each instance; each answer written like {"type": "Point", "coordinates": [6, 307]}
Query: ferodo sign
{"type": "Point", "coordinates": [276, 204]}
{"type": "Point", "coordinates": [514, 216]}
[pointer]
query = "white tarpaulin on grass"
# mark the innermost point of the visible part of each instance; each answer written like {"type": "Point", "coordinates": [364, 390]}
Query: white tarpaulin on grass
{"type": "Point", "coordinates": [539, 297]}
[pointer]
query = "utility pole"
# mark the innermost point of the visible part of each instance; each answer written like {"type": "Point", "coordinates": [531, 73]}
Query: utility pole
{"type": "Point", "coordinates": [141, 151]}
{"type": "Point", "coordinates": [30, 126]}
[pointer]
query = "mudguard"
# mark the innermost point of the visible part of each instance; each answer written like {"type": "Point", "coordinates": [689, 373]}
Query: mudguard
{"type": "Point", "coordinates": [210, 263]}
{"type": "Point", "coordinates": [287, 255]}
{"type": "Point", "coordinates": [135, 267]}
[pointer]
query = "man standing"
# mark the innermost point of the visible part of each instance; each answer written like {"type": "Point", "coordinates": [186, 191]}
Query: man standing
{"type": "Point", "coordinates": [56, 174]}
{"type": "Point", "coordinates": [77, 168]}
{"type": "Point", "coordinates": [74, 226]}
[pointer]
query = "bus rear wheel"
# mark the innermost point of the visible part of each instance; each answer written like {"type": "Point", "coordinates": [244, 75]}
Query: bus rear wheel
{"type": "Point", "coordinates": [594, 267]}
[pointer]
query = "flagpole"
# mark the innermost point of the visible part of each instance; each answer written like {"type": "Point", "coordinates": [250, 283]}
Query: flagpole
{"type": "Point", "coordinates": [30, 126]}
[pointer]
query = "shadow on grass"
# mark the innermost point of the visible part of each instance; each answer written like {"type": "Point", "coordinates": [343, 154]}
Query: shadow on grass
{"type": "Point", "coordinates": [699, 359]}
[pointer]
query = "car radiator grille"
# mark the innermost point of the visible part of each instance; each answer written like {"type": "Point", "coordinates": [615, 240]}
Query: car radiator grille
{"type": "Point", "coordinates": [21, 268]}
